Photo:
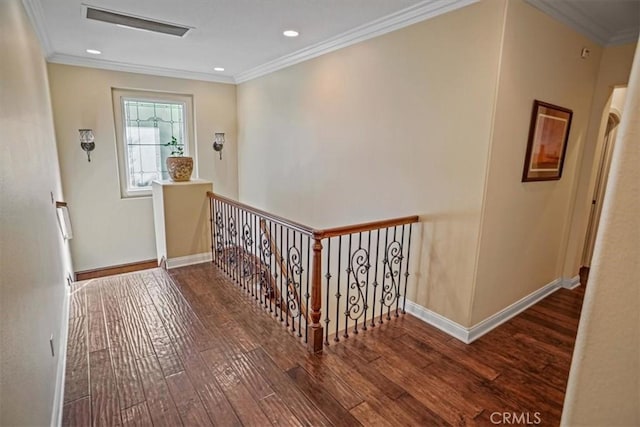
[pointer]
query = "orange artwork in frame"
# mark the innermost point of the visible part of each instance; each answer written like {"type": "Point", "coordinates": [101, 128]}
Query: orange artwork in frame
{"type": "Point", "coordinates": [547, 145]}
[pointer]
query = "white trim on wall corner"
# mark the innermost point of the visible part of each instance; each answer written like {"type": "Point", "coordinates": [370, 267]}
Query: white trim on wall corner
{"type": "Point", "coordinates": [419, 12]}
{"type": "Point", "coordinates": [468, 335]}
{"type": "Point", "coordinates": [58, 397]}
{"type": "Point", "coordinates": [183, 261]}
{"type": "Point", "coordinates": [438, 321]}
{"type": "Point", "coordinates": [513, 310]}
{"type": "Point", "coordinates": [571, 283]}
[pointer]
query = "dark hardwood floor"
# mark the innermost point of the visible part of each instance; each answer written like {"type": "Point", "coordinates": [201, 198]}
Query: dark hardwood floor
{"type": "Point", "coordinates": [146, 350]}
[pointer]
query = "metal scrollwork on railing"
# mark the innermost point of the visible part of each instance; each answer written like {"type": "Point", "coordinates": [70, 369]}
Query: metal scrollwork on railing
{"type": "Point", "coordinates": [392, 260]}
{"type": "Point", "coordinates": [247, 259]}
{"type": "Point", "coordinates": [279, 263]}
{"type": "Point", "coordinates": [265, 246]}
{"type": "Point", "coordinates": [293, 286]}
{"type": "Point", "coordinates": [232, 233]}
{"type": "Point", "coordinates": [219, 234]}
{"type": "Point", "coordinates": [358, 268]}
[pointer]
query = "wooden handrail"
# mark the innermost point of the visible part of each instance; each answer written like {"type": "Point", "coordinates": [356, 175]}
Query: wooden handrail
{"type": "Point", "coordinates": [275, 218]}
{"type": "Point", "coordinates": [320, 234]}
{"type": "Point", "coordinates": [366, 226]}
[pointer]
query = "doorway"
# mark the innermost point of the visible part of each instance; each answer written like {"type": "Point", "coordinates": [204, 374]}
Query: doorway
{"type": "Point", "coordinates": [602, 173]}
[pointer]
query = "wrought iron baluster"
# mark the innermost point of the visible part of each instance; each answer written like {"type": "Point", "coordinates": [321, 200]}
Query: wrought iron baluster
{"type": "Point", "coordinates": [286, 317]}
{"type": "Point", "coordinates": [384, 273]}
{"type": "Point", "coordinates": [358, 270]}
{"type": "Point", "coordinates": [281, 298]}
{"type": "Point", "coordinates": [307, 295]}
{"type": "Point", "coordinates": [261, 265]}
{"type": "Point", "coordinates": [347, 301]}
{"type": "Point", "coordinates": [375, 280]}
{"type": "Point", "coordinates": [366, 288]}
{"type": "Point", "coordinates": [255, 252]}
{"type": "Point", "coordinates": [225, 251]}
{"type": "Point", "coordinates": [326, 310]}
{"type": "Point", "coordinates": [393, 262]}
{"type": "Point", "coordinates": [241, 251]}
{"type": "Point", "coordinates": [211, 229]}
{"type": "Point", "coordinates": [237, 248]}
{"type": "Point", "coordinates": [406, 274]}
{"type": "Point", "coordinates": [400, 269]}
{"type": "Point", "coordinates": [272, 271]}
{"type": "Point", "coordinates": [337, 338]}
{"type": "Point", "coordinates": [300, 287]}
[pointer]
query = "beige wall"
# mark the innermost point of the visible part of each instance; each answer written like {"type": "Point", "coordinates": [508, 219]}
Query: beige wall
{"type": "Point", "coordinates": [525, 226]}
{"type": "Point", "coordinates": [33, 257]}
{"type": "Point", "coordinates": [182, 223]}
{"type": "Point", "coordinates": [604, 382]}
{"type": "Point", "coordinates": [110, 230]}
{"type": "Point", "coordinates": [396, 125]}
{"type": "Point", "coordinates": [614, 71]}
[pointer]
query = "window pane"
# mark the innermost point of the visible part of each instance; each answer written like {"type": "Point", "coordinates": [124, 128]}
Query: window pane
{"type": "Point", "coordinates": [148, 127]}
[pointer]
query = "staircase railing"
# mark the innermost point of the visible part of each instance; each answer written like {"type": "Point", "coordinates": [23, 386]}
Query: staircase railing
{"type": "Point", "coordinates": [363, 269]}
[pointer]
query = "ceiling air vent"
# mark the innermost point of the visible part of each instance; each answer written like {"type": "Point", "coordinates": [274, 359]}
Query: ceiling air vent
{"type": "Point", "coordinates": [135, 22]}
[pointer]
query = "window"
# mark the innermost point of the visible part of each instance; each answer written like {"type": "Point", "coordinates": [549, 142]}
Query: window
{"type": "Point", "coordinates": [145, 123]}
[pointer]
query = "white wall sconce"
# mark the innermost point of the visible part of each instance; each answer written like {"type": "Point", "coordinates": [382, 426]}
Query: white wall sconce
{"type": "Point", "coordinates": [218, 142]}
{"type": "Point", "coordinates": [87, 141]}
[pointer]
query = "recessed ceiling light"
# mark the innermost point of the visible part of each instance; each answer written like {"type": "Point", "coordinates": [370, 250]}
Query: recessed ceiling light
{"type": "Point", "coordinates": [93, 52]}
{"type": "Point", "coordinates": [218, 69]}
{"type": "Point", "coordinates": [290, 33]}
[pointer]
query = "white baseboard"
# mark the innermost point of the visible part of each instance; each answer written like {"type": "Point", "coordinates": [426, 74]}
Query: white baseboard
{"type": "Point", "coordinates": [513, 310]}
{"type": "Point", "coordinates": [468, 335]}
{"type": "Point", "coordinates": [571, 283]}
{"type": "Point", "coordinates": [58, 397]}
{"type": "Point", "coordinates": [438, 321]}
{"type": "Point", "coordinates": [188, 260]}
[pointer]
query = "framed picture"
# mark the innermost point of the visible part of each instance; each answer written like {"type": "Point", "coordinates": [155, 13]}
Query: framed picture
{"type": "Point", "coordinates": [548, 135]}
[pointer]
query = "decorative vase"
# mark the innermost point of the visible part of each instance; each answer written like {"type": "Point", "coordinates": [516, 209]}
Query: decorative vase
{"type": "Point", "coordinates": [180, 168]}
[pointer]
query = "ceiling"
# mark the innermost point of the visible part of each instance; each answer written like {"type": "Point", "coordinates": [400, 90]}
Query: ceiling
{"type": "Point", "coordinates": [245, 36]}
{"type": "Point", "coordinates": [607, 22]}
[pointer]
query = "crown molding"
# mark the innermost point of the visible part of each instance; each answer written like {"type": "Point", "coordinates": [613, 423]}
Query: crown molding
{"type": "Point", "coordinates": [628, 35]}
{"type": "Point", "coordinates": [403, 18]}
{"type": "Point", "coordinates": [80, 61]}
{"type": "Point", "coordinates": [575, 18]}
{"type": "Point", "coordinates": [36, 16]}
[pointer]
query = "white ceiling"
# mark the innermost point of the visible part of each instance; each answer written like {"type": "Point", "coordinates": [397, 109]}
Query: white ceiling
{"type": "Point", "coordinates": [245, 36]}
{"type": "Point", "coordinates": [607, 22]}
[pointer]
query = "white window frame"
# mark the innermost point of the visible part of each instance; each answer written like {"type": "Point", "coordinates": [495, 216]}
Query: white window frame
{"type": "Point", "coordinates": [119, 96]}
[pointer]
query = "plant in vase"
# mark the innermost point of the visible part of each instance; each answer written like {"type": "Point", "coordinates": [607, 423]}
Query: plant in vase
{"type": "Point", "coordinates": [178, 166]}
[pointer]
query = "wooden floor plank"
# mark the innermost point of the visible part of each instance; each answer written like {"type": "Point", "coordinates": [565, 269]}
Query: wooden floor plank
{"type": "Point", "coordinates": [367, 416]}
{"type": "Point", "coordinates": [104, 392]}
{"type": "Point", "coordinates": [278, 411]}
{"type": "Point", "coordinates": [77, 413]}
{"type": "Point", "coordinates": [337, 414]}
{"type": "Point", "coordinates": [304, 410]}
{"type": "Point", "coordinates": [137, 415]}
{"type": "Point", "coordinates": [162, 408]}
{"type": "Point", "coordinates": [97, 332]}
{"type": "Point", "coordinates": [245, 404]}
{"type": "Point", "coordinates": [191, 347]}
{"type": "Point", "coordinates": [77, 372]}
{"type": "Point", "coordinates": [125, 370]}
{"type": "Point", "coordinates": [213, 398]}
{"type": "Point", "coordinates": [188, 402]}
